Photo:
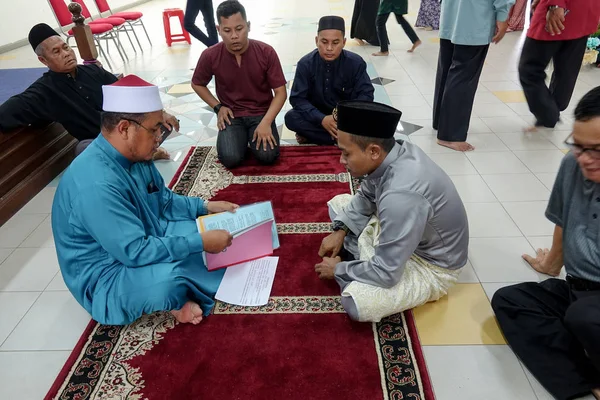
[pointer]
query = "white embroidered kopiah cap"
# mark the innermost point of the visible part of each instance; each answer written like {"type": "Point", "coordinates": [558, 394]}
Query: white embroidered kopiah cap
{"type": "Point", "coordinates": [131, 94]}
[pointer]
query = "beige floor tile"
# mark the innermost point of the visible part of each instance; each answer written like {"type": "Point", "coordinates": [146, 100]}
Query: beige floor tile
{"type": "Point", "coordinates": [510, 96]}
{"type": "Point", "coordinates": [181, 88]}
{"type": "Point", "coordinates": [463, 317]}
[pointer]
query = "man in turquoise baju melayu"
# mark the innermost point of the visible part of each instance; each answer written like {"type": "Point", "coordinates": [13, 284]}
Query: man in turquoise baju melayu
{"type": "Point", "coordinates": [126, 244]}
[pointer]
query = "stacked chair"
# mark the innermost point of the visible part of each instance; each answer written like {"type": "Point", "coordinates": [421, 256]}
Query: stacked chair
{"type": "Point", "coordinates": [132, 18]}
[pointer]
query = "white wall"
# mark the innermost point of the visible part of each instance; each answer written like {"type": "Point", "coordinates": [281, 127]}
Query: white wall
{"type": "Point", "coordinates": [20, 15]}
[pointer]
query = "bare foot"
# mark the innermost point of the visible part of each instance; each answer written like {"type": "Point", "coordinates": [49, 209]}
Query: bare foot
{"type": "Point", "coordinates": [301, 139]}
{"type": "Point", "coordinates": [189, 313]}
{"type": "Point", "coordinates": [530, 129]}
{"type": "Point", "coordinates": [381, 54]}
{"type": "Point", "coordinates": [161, 154]}
{"type": "Point", "coordinates": [414, 46]}
{"type": "Point", "coordinates": [359, 41]}
{"type": "Point", "coordinates": [458, 146]}
{"type": "Point", "coordinates": [596, 393]}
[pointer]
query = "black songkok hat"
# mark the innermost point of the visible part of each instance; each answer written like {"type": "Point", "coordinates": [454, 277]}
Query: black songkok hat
{"type": "Point", "coordinates": [366, 118]}
{"type": "Point", "coordinates": [332, 22]}
{"type": "Point", "coordinates": [39, 33]}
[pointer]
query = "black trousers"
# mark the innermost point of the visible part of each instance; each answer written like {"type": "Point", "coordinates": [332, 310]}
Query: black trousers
{"type": "Point", "coordinates": [382, 30]}
{"type": "Point", "coordinates": [457, 77]}
{"type": "Point", "coordinates": [192, 9]}
{"type": "Point", "coordinates": [555, 331]}
{"type": "Point", "coordinates": [546, 103]}
{"type": "Point", "coordinates": [316, 134]}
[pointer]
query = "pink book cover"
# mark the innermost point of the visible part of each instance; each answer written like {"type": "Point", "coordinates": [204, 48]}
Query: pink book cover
{"type": "Point", "coordinates": [247, 246]}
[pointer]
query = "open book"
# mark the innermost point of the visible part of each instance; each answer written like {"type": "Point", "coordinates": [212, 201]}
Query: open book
{"type": "Point", "coordinates": [254, 234]}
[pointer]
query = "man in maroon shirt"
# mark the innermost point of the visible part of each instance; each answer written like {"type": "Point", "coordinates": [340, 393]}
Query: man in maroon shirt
{"type": "Point", "coordinates": [246, 72]}
{"type": "Point", "coordinates": [559, 31]}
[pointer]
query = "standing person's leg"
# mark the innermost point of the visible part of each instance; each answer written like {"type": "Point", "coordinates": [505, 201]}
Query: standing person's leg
{"type": "Point", "coordinates": [444, 64]}
{"type": "Point", "coordinates": [535, 56]}
{"type": "Point", "coordinates": [209, 21]}
{"type": "Point", "coordinates": [192, 9]}
{"type": "Point", "coordinates": [268, 156]}
{"type": "Point", "coordinates": [567, 64]}
{"type": "Point", "coordinates": [459, 95]}
{"type": "Point", "coordinates": [531, 316]}
{"type": "Point", "coordinates": [232, 143]}
{"type": "Point", "coordinates": [410, 32]}
{"type": "Point", "coordinates": [382, 34]}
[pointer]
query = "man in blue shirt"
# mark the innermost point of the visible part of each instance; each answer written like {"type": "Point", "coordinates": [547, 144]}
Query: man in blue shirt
{"type": "Point", "coordinates": [126, 244]}
{"type": "Point", "coordinates": [467, 27]}
{"type": "Point", "coordinates": [324, 77]}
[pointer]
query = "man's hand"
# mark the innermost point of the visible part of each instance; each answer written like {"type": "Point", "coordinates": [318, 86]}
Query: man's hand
{"type": "Point", "coordinates": [326, 268]}
{"type": "Point", "coordinates": [555, 21]}
{"type": "Point", "coordinates": [171, 121]}
{"type": "Point", "coordinates": [263, 134]}
{"type": "Point", "coordinates": [330, 126]}
{"type": "Point", "coordinates": [216, 240]}
{"type": "Point", "coordinates": [225, 116]}
{"type": "Point", "coordinates": [542, 263]}
{"type": "Point", "coordinates": [221, 206]}
{"type": "Point", "coordinates": [161, 154]}
{"type": "Point", "coordinates": [332, 244]}
{"type": "Point", "coordinates": [501, 28]}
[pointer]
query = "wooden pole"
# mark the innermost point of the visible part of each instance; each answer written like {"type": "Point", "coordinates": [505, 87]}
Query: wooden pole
{"type": "Point", "coordinates": [83, 36]}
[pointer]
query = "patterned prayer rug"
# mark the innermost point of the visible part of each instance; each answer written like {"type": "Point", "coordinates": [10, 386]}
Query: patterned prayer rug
{"type": "Point", "coordinates": [301, 345]}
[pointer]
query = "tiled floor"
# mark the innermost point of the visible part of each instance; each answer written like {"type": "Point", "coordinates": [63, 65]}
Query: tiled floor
{"type": "Point", "coordinates": [505, 185]}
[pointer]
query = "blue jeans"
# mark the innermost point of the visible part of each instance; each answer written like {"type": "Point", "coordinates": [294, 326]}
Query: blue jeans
{"type": "Point", "coordinates": [234, 140]}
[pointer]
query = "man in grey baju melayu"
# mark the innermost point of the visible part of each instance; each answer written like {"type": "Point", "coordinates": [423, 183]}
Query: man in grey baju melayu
{"type": "Point", "coordinates": [404, 234]}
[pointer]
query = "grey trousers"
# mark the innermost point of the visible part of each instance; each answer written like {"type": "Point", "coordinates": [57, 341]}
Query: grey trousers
{"type": "Point", "coordinates": [81, 146]}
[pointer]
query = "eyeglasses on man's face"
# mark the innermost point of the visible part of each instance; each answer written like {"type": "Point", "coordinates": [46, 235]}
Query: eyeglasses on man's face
{"type": "Point", "coordinates": [156, 132]}
{"type": "Point", "coordinates": [578, 150]}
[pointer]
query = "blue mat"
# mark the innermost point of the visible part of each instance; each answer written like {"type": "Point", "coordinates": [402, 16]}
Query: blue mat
{"type": "Point", "coordinates": [14, 81]}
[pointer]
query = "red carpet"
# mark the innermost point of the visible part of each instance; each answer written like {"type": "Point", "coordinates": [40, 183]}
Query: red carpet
{"type": "Point", "coordinates": [300, 346]}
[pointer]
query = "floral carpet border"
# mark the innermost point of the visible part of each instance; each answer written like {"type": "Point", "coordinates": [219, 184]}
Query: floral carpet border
{"type": "Point", "coordinates": [200, 175]}
{"type": "Point", "coordinates": [287, 305]}
{"type": "Point", "coordinates": [86, 373]}
{"type": "Point", "coordinates": [94, 360]}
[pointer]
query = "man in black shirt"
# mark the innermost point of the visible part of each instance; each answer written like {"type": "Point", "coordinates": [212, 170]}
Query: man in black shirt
{"type": "Point", "coordinates": [68, 93]}
{"type": "Point", "coordinates": [324, 77]}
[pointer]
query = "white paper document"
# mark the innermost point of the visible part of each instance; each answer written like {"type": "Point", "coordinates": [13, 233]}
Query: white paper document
{"type": "Point", "coordinates": [249, 283]}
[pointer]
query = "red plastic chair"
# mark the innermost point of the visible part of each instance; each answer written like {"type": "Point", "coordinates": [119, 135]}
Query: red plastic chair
{"type": "Point", "coordinates": [132, 18]}
{"type": "Point", "coordinates": [177, 37]}
{"type": "Point", "coordinates": [117, 23]}
{"type": "Point", "coordinates": [100, 31]}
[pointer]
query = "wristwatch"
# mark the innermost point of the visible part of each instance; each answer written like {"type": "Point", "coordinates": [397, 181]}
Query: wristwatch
{"type": "Point", "coordinates": [217, 108]}
{"type": "Point", "coordinates": [339, 225]}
